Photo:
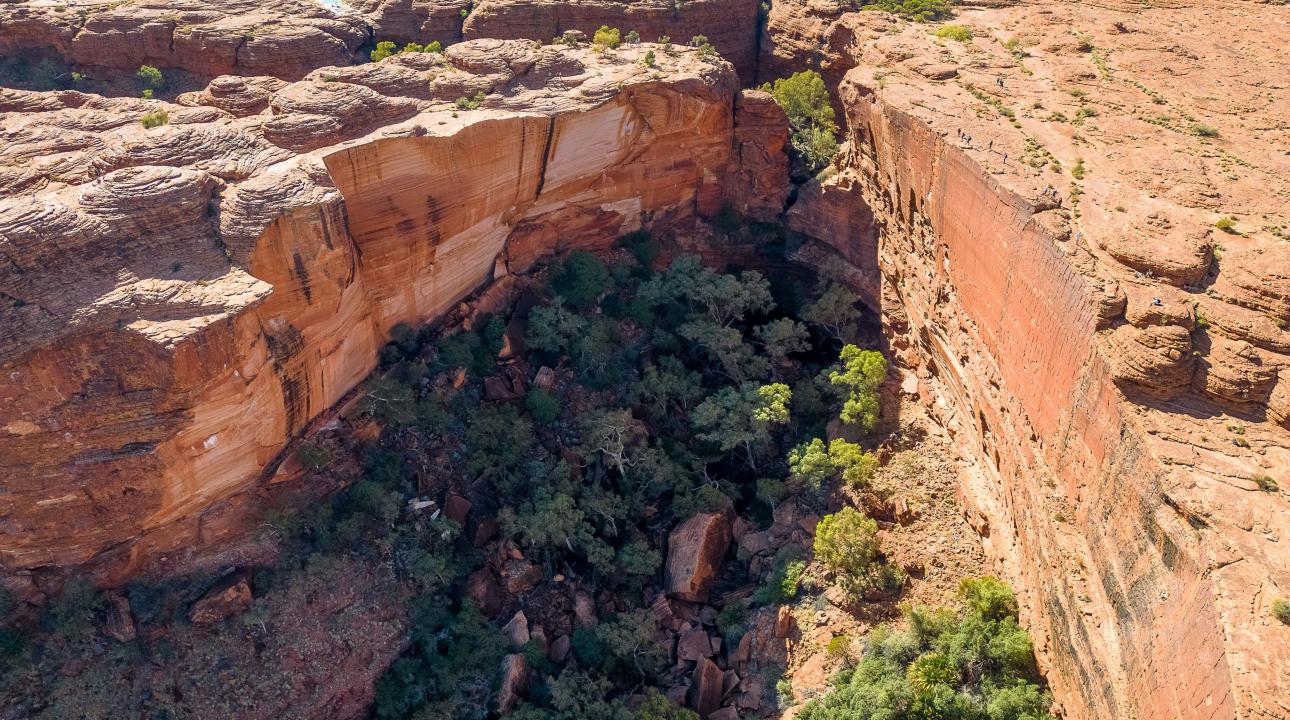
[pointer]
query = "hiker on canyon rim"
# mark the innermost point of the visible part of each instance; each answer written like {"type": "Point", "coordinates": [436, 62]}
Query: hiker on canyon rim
{"type": "Point", "coordinates": [999, 80]}
{"type": "Point", "coordinates": [1156, 302]}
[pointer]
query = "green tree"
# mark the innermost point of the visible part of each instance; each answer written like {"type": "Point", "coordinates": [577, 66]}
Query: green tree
{"type": "Point", "coordinates": [810, 466]}
{"type": "Point", "coordinates": [731, 417]}
{"type": "Point", "coordinates": [856, 465]}
{"type": "Point", "coordinates": [542, 405]}
{"type": "Point", "coordinates": [384, 49]}
{"type": "Point", "coordinates": [781, 337]}
{"type": "Point", "coordinates": [846, 542]}
{"type": "Point", "coordinates": [812, 125]}
{"type": "Point", "coordinates": [860, 373]}
{"type": "Point", "coordinates": [581, 279]}
{"type": "Point", "coordinates": [772, 404]}
{"type": "Point", "coordinates": [835, 312]}
{"type": "Point", "coordinates": [149, 78]}
{"type": "Point", "coordinates": [606, 38]}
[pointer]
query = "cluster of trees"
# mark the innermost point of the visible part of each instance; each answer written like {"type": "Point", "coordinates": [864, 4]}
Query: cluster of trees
{"type": "Point", "coordinates": [975, 663]}
{"type": "Point", "coordinates": [686, 390]}
{"type": "Point", "coordinates": [388, 48]}
{"type": "Point", "coordinates": [812, 125]}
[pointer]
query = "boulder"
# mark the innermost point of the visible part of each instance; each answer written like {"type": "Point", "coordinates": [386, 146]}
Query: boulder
{"type": "Point", "coordinates": [515, 677]}
{"type": "Point", "coordinates": [584, 610]}
{"type": "Point", "coordinates": [119, 623]}
{"type": "Point", "coordinates": [691, 645]}
{"type": "Point", "coordinates": [520, 575]}
{"type": "Point", "coordinates": [694, 554]}
{"type": "Point", "coordinates": [559, 650]}
{"type": "Point", "coordinates": [482, 587]}
{"type": "Point", "coordinates": [705, 693]}
{"type": "Point", "coordinates": [456, 507]}
{"type": "Point", "coordinates": [517, 629]}
{"type": "Point", "coordinates": [226, 599]}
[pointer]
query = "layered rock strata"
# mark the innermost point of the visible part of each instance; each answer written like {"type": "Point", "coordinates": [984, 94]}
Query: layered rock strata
{"type": "Point", "coordinates": [179, 302]}
{"type": "Point", "coordinates": [288, 38]}
{"type": "Point", "coordinates": [1044, 217]}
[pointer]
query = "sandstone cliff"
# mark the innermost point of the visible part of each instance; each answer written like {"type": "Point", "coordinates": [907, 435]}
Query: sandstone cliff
{"type": "Point", "coordinates": [288, 38]}
{"type": "Point", "coordinates": [181, 301]}
{"type": "Point", "coordinates": [1044, 205]}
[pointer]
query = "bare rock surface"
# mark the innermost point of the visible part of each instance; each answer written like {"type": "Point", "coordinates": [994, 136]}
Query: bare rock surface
{"type": "Point", "coordinates": [695, 549]}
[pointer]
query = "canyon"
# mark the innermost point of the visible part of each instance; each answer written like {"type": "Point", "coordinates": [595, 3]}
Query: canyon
{"type": "Point", "coordinates": [180, 304]}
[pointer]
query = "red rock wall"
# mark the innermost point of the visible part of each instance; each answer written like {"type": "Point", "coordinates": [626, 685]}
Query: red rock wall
{"type": "Point", "coordinates": [130, 437]}
{"type": "Point", "coordinates": [993, 314]}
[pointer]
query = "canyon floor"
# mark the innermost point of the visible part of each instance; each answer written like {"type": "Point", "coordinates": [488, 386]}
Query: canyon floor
{"type": "Point", "coordinates": [1065, 224]}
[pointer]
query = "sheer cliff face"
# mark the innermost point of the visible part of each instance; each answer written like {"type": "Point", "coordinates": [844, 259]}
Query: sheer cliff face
{"type": "Point", "coordinates": [177, 308]}
{"type": "Point", "coordinates": [1097, 347]}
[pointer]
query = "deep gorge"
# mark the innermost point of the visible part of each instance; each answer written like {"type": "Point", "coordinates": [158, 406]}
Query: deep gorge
{"type": "Point", "coordinates": [1017, 323]}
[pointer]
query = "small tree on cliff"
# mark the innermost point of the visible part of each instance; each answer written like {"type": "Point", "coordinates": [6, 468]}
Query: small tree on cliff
{"type": "Point", "coordinates": [861, 372]}
{"type": "Point", "coordinates": [811, 122]}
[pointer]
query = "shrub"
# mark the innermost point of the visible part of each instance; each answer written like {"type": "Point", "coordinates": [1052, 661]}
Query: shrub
{"type": "Point", "coordinates": [471, 103]}
{"type": "Point", "coordinates": [1281, 610]}
{"type": "Point", "coordinates": [384, 49]}
{"type": "Point", "coordinates": [156, 118]}
{"type": "Point", "coordinates": [839, 647]}
{"type": "Point", "coordinates": [919, 10]}
{"type": "Point", "coordinates": [606, 38]}
{"type": "Point", "coordinates": [1265, 483]}
{"type": "Point", "coordinates": [958, 33]}
{"type": "Point", "coordinates": [1202, 130]}
{"type": "Point", "coordinates": [1226, 224]}
{"type": "Point", "coordinates": [782, 582]}
{"type": "Point", "coordinates": [704, 48]}
{"type": "Point", "coordinates": [1077, 170]}
{"type": "Point", "coordinates": [542, 405]}
{"type": "Point", "coordinates": [649, 59]}
{"type": "Point", "coordinates": [943, 665]}
{"type": "Point", "coordinates": [846, 542]}
{"type": "Point", "coordinates": [149, 78]}
{"type": "Point", "coordinates": [311, 456]}
{"type": "Point", "coordinates": [633, 37]}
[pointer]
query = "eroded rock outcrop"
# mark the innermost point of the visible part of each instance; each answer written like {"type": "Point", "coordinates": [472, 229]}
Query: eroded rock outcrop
{"type": "Point", "coordinates": [288, 38]}
{"type": "Point", "coordinates": [181, 301]}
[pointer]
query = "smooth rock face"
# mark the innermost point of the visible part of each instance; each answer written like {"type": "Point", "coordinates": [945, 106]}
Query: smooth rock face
{"type": "Point", "coordinates": [183, 300]}
{"type": "Point", "coordinates": [695, 549]}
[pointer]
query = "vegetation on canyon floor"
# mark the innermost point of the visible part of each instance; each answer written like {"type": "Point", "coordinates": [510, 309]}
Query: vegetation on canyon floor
{"type": "Point", "coordinates": [630, 397]}
{"type": "Point", "coordinates": [976, 663]}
